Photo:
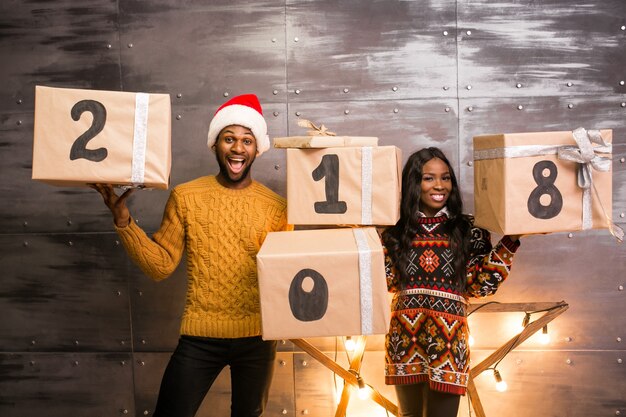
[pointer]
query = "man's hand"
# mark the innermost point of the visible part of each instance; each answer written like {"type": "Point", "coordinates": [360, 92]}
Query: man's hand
{"type": "Point", "coordinates": [115, 203]}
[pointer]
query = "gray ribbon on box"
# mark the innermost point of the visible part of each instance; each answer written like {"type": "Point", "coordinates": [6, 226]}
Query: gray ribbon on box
{"type": "Point", "coordinates": [366, 185]}
{"type": "Point", "coordinates": [365, 281]}
{"type": "Point", "coordinates": [584, 154]}
{"type": "Point", "coordinates": [140, 135]}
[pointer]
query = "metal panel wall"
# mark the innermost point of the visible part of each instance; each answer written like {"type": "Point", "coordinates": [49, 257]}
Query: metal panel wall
{"type": "Point", "coordinates": [85, 333]}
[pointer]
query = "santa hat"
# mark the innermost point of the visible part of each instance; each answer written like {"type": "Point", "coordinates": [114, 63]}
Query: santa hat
{"type": "Point", "coordinates": [244, 110]}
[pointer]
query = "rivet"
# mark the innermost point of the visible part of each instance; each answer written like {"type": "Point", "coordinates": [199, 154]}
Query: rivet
{"type": "Point", "coordinates": [32, 342]}
{"type": "Point", "coordinates": [622, 160]}
{"type": "Point", "coordinates": [570, 235]}
{"type": "Point", "coordinates": [622, 215]}
{"type": "Point", "coordinates": [469, 87]}
{"type": "Point", "coordinates": [304, 363]}
{"type": "Point", "coordinates": [519, 361]}
{"type": "Point", "coordinates": [568, 361]}
{"type": "Point", "coordinates": [447, 109]}
{"type": "Point", "coordinates": [273, 40]}
{"type": "Point", "coordinates": [620, 288]}
{"type": "Point", "coordinates": [226, 94]}
{"type": "Point", "coordinates": [520, 107]}
{"type": "Point", "coordinates": [568, 339]}
{"type": "Point", "coordinates": [283, 342]}
{"type": "Point", "coordinates": [345, 90]}
{"type": "Point", "coordinates": [69, 222]}
{"type": "Point", "coordinates": [25, 243]}
{"type": "Point", "coordinates": [32, 363]}
{"type": "Point", "coordinates": [569, 84]}
{"type": "Point", "coordinates": [618, 413]}
{"type": "Point", "coordinates": [19, 123]}
{"type": "Point", "coordinates": [470, 163]}
{"type": "Point", "coordinates": [123, 363]}
{"type": "Point", "coordinates": [296, 39]}
{"type": "Point", "coordinates": [618, 339]}
{"type": "Point", "coordinates": [468, 33]}
{"type": "Point", "coordinates": [394, 88]}
{"type": "Point", "coordinates": [396, 110]}
{"type": "Point", "coordinates": [283, 363]}
{"type": "Point", "coordinates": [142, 363]}
{"type": "Point", "coordinates": [76, 342]}
{"type": "Point", "coordinates": [305, 412]}
{"type": "Point", "coordinates": [623, 27]}
{"type": "Point", "coordinates": [109, 46]}
{"type": "Point", "coordinates": [346, 111]}
{"type": "Point", "coordinates": [122, 342]}
{"type": "Point", "coordinates": [25, 224]}
{"type": "Point", "coordinates": [179, 116]}
{"type": "Point", "coordinates": [445, 33]}
{"type": "Point", "coordinates": [124, 411]}
{"type": "Point", "coordinates": [621, 82]}
{"type": "Point", "coordinates": [284, 411]}
{"type": "Point", "coordinates": [619, 360]}
{"type": "Point", "coordinates": [518, 85]}
{"type": "Point", "coordinates": [19, 101]}
{"type": "Point", "coordinates": [298, 113]}
{"type": "Point", "coordinates": [570, 106]}
{"type": "Point", "coordinates": [275, 114]}
{"type": "Point", "coordinates": [70, 243]}
{"type": "Point", "coordinates": [446, 88]}
{"type": "Point", "coordinates": [140, 293]}
{"type": "Point", "coordinates": [179, 95]}
{"type": "Point", "coordinates": [117, 243]}
{"type": "Point", "coordinates": [470, 108]}
{"type": "Point", "coordinates": [119, 293]}
{"type": "Point", "coordinates": [297, 91]}
{"type": "Point", "coordinates": [145, 412]}
{"type": "Point", "coordinates": [143, 341]}
{"type": "Point", "coordinates": [275, 92]}
{"type": "Point", "coordinates": [130, 45]}
{"type": "Point", "coordinates": [623, 104]}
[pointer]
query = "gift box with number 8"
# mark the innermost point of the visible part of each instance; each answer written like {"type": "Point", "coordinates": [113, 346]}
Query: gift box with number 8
{"type": "Point", "coordinates": [543, 182]}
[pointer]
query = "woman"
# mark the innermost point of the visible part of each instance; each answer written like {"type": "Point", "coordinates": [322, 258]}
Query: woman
{"type": "Point", "coordinates": [435, 260]}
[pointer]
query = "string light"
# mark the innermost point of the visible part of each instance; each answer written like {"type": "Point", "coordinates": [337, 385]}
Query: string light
{"type": "Point", "coordinates": [501, 384]}
{"type": "Point", "coordinates": [349, 344]}
{"type": "Point", "coordinates": [470, 340]}
{"type": "Point", "coordinates": [544, 338]}
{"type": "Point", "coordinates": [364, 392]}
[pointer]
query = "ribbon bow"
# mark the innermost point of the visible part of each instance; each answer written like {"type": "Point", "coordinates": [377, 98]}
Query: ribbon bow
{"type": "Point", "coordinates": [317, 131]}
{"type": "Point", "coordinates": [586, 155]}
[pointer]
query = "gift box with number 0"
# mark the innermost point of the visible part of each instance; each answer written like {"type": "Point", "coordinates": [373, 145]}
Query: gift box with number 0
{"type": "Point", "coordinates": [90, 136]}
{"type": "Point", "coordinates": [543, 182]}
{"type": "Point", "coordinates": [328, 282]}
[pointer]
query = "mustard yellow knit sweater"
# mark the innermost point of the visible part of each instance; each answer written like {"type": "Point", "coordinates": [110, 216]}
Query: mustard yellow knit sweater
{"type": "Point", "coordinates": [222, 230]}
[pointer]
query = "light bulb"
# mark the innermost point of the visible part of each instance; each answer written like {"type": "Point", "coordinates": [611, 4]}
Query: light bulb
{"type": "Point", "coordinates": [364, 392]}
{"type": "Point", "coordinates": [544, 338]}
{"type": "Point", "coordinates": [501, 384]}
{"type": "Point", "coordinates": [349, 344]}
{"type": "Point", "coordinates": [471, 340]}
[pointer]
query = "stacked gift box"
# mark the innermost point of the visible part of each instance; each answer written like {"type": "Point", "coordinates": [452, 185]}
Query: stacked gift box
{"type": "Point", "coordinates": [331, 281]}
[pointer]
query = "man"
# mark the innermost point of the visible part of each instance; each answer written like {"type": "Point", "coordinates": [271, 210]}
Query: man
{"type": "Point", "coordinates": [221, 222]}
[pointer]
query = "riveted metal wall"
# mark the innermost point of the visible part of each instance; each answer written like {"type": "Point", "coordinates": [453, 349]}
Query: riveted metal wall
{"type": "Point", "coordinates": [85, 333]}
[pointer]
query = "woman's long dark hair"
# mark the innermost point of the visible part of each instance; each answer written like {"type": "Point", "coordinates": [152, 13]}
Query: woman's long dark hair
{"type": "Point", "coordinates": [398, 238]}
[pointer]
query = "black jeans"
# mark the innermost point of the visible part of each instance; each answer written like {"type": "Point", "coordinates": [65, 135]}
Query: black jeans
{"type": "Point", "coordinates": [418, 400]}
{"type": "Point", "coordinates": [196, 363]}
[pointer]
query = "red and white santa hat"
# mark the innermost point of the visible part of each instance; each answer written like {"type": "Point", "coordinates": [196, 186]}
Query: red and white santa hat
{"type": "Point", "coordinates": [244, 110]}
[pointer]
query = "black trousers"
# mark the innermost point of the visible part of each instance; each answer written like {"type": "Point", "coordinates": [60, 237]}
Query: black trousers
{"type": "Point", "coordinates": [418, 400]}
{"type": "Point", "coordinates": [196, 363]}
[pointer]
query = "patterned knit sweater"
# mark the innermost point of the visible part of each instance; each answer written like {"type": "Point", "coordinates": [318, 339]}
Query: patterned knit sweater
{"type": "Point", "coordinates": [221, 230]}
{"type": "Point", "coordinates": [428, 333]}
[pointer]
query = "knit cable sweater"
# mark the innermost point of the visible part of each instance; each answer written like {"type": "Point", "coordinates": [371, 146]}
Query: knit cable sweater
{"type": "Point", "coordinates": [428, 334]}
{"type": "Point", "coordinates": [221, 230]}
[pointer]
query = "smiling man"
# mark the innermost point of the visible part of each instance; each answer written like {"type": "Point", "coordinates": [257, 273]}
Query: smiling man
{"type": "Point", "coordinates": [221, 222]}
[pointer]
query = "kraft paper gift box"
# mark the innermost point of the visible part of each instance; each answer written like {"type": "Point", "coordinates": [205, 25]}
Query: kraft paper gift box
{"type": "Point", "coordinates": [527, 183]}
{"type": "Point", "coordinates": [92, 136]}
{"type": "Point", "coordinates": [344, 185]}
{"type": "Point", "coordinates": [327, 282]}
{"type": "Point", "coordinates": [319, 141]}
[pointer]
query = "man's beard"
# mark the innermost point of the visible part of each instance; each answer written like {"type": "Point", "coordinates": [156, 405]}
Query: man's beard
{"type": "Point", "coordinates": [224, 172]}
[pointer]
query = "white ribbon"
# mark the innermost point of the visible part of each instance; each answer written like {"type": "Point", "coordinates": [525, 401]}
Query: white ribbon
{"type": "Point", "coordinates": [584, 154]}
{"type": "Point", "coordinates": [365, 281]}
{"type": "Point", "coordinates": [140, 134]}
{"type": "Point", "coordinates": [366, 185]}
